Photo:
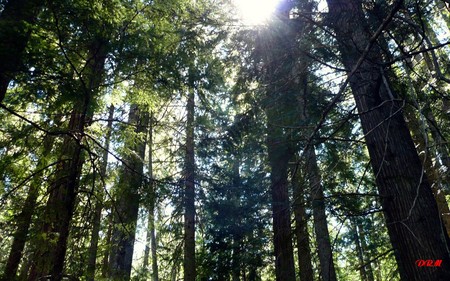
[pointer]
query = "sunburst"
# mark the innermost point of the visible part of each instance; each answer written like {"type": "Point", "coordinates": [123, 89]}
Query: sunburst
{"type": "Point", "coordinates": [255, 12]}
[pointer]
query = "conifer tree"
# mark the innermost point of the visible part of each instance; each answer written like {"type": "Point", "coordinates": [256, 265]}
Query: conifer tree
{"type": "Point", "coordinates": [409, 206]}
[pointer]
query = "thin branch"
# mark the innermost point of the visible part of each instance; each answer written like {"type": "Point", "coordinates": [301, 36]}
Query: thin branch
{"type": "Point", "coordinates": [25, 180]}
{"type": "Point", "coordinates": [363, 56]}
{"type": "Point", "coordinates": [376, 258]}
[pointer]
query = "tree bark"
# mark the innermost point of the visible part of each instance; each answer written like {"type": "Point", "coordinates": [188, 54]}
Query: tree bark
{"type": "Point", "coordinates": [411, 212]}
{"type": "Point", "coordinates": [320, 218]}
{"type": "Point", "coordinates": [151, 247]}
{"type": "Point", "coordinates": [189, 193]}
{"type": "Point", "coordinates": [154, 244]}
{"type": "Point", "coordinates": [127, 201]}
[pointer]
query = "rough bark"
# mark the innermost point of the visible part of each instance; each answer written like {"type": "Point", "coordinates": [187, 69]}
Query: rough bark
{"type": "Point", "coordinates": [189, 194]}
{"type": "Point", "coordinates": [96, 221]}
{"type": "Point", "coordinates": [127, 199]}
{"type": "Point", "coordinates": [15, 21]}
{"type": "Point", "coordinates": [410, 210]}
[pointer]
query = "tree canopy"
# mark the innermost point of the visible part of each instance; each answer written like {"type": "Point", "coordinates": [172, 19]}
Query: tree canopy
{"type": "Point", "coordinates": [191, 140]}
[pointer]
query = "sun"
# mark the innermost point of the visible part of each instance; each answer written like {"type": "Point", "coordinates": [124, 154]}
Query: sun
{"type": "Point", "coordinates": [255, 12]}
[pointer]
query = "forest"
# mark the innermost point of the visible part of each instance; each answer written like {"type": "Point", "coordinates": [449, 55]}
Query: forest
{"type": "Point", "coordinates": [203, 140]}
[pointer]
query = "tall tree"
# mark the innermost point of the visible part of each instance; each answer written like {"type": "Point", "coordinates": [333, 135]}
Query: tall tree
{"type": "Point", "coordinates": [411, 213]}
{"type": "Point", "coordinates": [96, 220]}
{"type": "Point", "coordinates": [25, 216]}
{"type": "Point", "coordinates": [127, 197]}
{"type": "Point", "coordinates": [151, 242]}
{"type": "Point", "coordinates": [361, 248]}
{"type": "Point", "coordinates": [189, 192]}
{"type": "Point", "coordinates": [280, 108]}
{"type": "Point", "coordinates": [307, 98]}
{"type": "Point", "coordinates": [61, 203]}
{"type": "Point", "coordinates": [328, 271]}
{"type": "Point", "coordinates": [301, 226]}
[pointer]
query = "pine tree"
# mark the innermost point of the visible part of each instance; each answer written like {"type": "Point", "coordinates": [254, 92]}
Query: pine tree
{"type": "Point", "coordinates": [409, 205]}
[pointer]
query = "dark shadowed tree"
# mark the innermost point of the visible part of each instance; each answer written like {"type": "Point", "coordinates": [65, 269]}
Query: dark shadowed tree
{"type": "Point", "coordinates": [411, 212]}
{"type": "Point", "coordinates": [16, 20]}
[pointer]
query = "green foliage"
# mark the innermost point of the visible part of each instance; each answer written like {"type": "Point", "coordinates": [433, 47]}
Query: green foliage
{"type": "Point", "coordinates": [155, 52]}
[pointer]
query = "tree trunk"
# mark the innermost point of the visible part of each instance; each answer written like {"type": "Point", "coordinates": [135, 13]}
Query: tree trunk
{"type": "Point", "coordinates": [151, 236]}
{"type": "Point", "coordinates": [24, 218]}
{"type": "Point", "coordinates": [362, 240]}
{"type": "Point", "coordinates": [359, 253]}
{"type": "Point", "coordinates": [441, 149]}
{"type": "Point", "coordinates": [235, 259]}
{"type": "Point", "coordinates": [15, 21]}
{"type": "Point", "coordinates": [107, 242]}
{"type": "Point", "coordinates": [176, 263]}
{"type": "Point", "coordinates": [320, 219]}
{"type": "Point", "coordinates": [49, 259]}
{"type": "Point", "coordinates": [301, 228]}
{"type": "Point", "coordinates": [92, 252]}
{"type": "Point", "coordinates": [421, 139]}
{"type": "Point", "coordinates": [278, 101]}
{"type": "Point", "coordinates": [279, 156]}
{"type": "Point", "coordinates": [411, 212]}
{"type": "Point", "coordinates": [24, 269]}
{"type": "Point", "coordinates": [151, 246]}
{"type": "Point", "coordinates": [189, 194]}
{"type": "Point", "coordinates": [236, 264]}
{"type": "Point", "coordinates": [127, 200]}
{"type": "Point", "coordinates": [430, 39]}
{"type": "Point", "coordinates": [154, 243]}
{"type": "Point", "coordinates": [365, 268]}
